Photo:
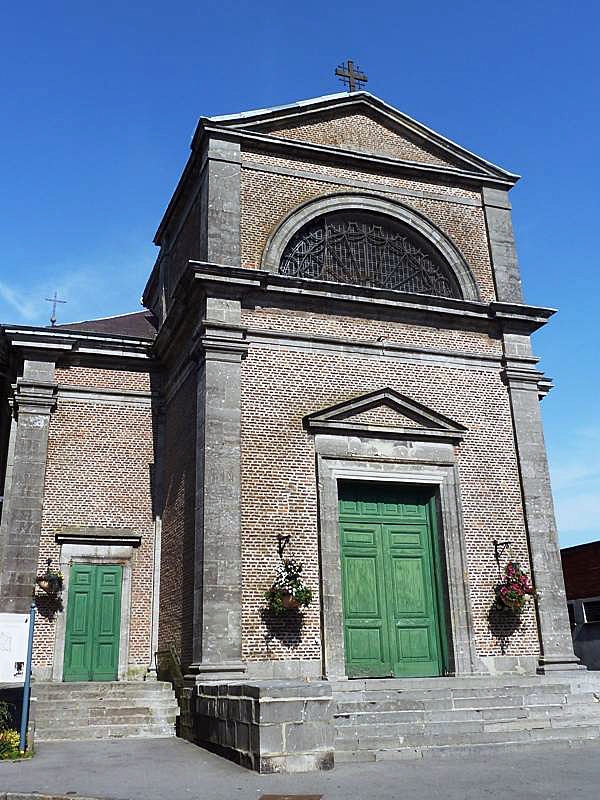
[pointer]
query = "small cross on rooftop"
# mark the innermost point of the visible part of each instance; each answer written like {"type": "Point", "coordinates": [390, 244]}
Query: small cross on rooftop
{"type": "Point", "coordinates": [54, 300]}
{"type": "Point", "coordinates": [350, 74]}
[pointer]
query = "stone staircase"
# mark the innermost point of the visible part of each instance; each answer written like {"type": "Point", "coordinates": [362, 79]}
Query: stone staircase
{"type": "Point", "coordinates": [415, 718]}
{"type": "Point", "coordinates": [107, 710]}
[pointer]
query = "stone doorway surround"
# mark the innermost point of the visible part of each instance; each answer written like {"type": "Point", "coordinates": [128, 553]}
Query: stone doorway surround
{"type": "Point", "coordinates": [347, 451]}
{"type": "Point", "coordinates": [86, 545]}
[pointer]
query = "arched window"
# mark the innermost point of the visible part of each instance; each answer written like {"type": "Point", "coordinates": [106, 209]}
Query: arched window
{"type": "Point", "coordinates": [369, 249]}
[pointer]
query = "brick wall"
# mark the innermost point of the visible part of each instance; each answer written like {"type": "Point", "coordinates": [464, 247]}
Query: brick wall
{"type": "Point", "coordinates": [364, 133]}
{"type": "Point", "coordinates": [177, 561]}
{"type": "Point", "coordinates": [98, 473]}
{"type": "Point", "coordinates": [279, 495]}
{"type": "Point", "coordinates": [581, 568]}
{"type": "Point", "coordinates": [280, 194]}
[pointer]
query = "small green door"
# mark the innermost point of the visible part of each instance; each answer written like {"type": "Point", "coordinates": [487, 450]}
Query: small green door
{"type": "Point", "coordinates": [93, 623]}
{"type": "Point", "coordinates": [390, 581]}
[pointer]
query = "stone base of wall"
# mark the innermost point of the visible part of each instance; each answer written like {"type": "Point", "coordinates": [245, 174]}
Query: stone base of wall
{"type": "Point", "coordinates": [510, 665]}
{"type": "Point", "coordinates": [267, 726]}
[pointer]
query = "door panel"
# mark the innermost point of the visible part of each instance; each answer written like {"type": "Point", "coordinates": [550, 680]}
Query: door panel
{"type": "Point", "coordinates": [93, 623]}
{"type": "Point", "coordinates": [392, 623]}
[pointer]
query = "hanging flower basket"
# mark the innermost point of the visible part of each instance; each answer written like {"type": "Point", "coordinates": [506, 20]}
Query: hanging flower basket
{"type": "Point", "coordinates": [515, 590]}
{"type": "Point", "coordinates": [288, 592]}
{"type": "Point", "coordinates": [51, 581]}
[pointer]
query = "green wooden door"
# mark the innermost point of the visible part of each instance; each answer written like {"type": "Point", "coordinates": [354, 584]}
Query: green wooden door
{"type": "Point", "coordinates": [93, 623]}
{"type": "Point", "coordinates": [390, 582]}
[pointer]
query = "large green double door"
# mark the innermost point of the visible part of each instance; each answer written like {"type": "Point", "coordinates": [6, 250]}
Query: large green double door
{"type": "Point", "coordinates": [93, 623]}
{"type": "Point", "coordinates": [393, 619]}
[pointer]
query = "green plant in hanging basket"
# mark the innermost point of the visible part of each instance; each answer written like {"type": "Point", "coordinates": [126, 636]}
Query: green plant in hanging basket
{"type": "Point", "coordinates": [515, 589]}
{"type": "Point", "coordinates": [288, 591]}
{"type": "Point", "coordinates": [51, 581]}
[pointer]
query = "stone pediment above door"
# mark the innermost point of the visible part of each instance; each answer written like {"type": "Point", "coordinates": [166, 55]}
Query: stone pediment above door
{"type": "Point", "coordinates": [384, 413]}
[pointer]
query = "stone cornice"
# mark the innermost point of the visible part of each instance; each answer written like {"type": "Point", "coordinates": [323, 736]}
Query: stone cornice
{"type": "Point", "coordinates": [355, 158]}
{"type": "Point", "coordinates": [258, 285]}
{"type": "Point", "coordinates": [33, 397]}
{"type": "Point", "coordinates": [31, 338]}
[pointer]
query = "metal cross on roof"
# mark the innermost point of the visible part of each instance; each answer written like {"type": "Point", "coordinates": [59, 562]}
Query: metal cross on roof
{"type": "Point", "coordinates": [54, 300]}
{"type": "Point", "coordinates": [350, 74]}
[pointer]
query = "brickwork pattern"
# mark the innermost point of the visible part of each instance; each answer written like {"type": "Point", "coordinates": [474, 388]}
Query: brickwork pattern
{"type": "Point", "coordinates": [98, 378]}
{"type": "Point", "coordinates": [178, 524]}
{"type": "Point", "coordinates": [279, 495]}
{"type": "Point", "coordinates": [463, 224]}
{"type": "Point", "coordinates": [365, 133]}
{"type": "Point", "coordinates": [383, 415]}
{"type": "Point", "coordinates": [99, 468]}
{"type": "Point", "coordinates": [366, 329]}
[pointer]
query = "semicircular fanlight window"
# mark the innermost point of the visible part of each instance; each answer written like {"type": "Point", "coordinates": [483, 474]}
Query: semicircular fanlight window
{"type": "Point", "coordinates": [369, 250]}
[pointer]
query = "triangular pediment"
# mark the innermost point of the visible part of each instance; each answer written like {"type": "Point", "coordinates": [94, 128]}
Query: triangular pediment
{"type": "Point", "coordinates": [385, 412]}
{"type": "Point", "coordinates": [360, 122]}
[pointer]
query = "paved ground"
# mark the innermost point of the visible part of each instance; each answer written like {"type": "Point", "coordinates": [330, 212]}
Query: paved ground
{"type": "Point", "coordinates": [171, 769]}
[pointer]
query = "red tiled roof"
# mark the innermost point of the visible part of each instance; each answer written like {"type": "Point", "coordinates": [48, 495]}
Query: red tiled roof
{"type": "Point", "coordinates": [139, 324]}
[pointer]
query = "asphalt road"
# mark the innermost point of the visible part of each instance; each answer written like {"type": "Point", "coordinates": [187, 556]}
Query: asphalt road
{"type": "Point", "coordinates": [171, 769]}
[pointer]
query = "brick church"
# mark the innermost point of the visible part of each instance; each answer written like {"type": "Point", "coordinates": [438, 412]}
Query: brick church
{"type": "Point", "coordinates": [334, 363]}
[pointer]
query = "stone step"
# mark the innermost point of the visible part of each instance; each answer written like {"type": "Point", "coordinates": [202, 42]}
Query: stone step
{"type": "Point", "coordinates": [450, 694]}
{"type": "Point", "coordinates": [450, 716]}
{"type": "Point", "coordinates": [116, 731]}
{"type": "Point", "coordinates": [449, 704]}
{"type": "Point", "coordinates": [379, 748]}
{"type": "Point", "coordinates": [451, 683]}
{"type": "Point", "coordinates": [103, 710]}
{"type": "Point", "coordinates": [113, 689]}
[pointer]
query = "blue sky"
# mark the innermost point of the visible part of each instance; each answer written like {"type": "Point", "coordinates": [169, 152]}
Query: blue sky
{"type": "Point", "coordinates": [99, 101]}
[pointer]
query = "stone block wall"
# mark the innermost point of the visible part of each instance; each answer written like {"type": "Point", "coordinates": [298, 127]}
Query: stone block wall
{"type": "Point", "coordinates": [268, 726]}
{"type": "Point", "coordinates": [99, 474]}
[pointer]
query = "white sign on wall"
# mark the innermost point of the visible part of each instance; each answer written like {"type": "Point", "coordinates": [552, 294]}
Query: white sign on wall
{"type": "Point", "coordinates": [14, 636]}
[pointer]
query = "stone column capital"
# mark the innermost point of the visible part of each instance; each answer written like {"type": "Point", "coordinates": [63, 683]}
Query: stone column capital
{"type": "Point", "coordinates": [220, 342]}
{"type": "Point", "coordinates": [34, 397]}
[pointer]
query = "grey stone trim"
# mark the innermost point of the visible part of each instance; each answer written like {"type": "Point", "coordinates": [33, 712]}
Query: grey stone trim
{"type": "Point", "coordinates": [402, 461]}
{"type": "Point", "coordinates": [83, 394]}
{"type": "Point", "coordinates": [217, 644]}
{"type": "Point", "coordinates": [338, 418]}
{"type": "Point", "coordinates": [321, 177]}
{"type": "Point", "coordinates": [353, 200]}
{"type": "Point", "coordinates": [507, 275]}
{"type": "Point", "coordinates": [33, 400]}
{"type": "Point", "coordinates": [300, 669]}
{"type": "Point", "coordinates": [48, 339]}
{"type": "Point", "coordinates": [94, 553]}
{"type": "Point", "coordinates": [364, 161]}
{"type": "Point", "coordinates": [553, 621]}
{"type": "Point", "coordinates": [268, 726]}
{"type": "Point", "coordinates": [292, 112]}
{"type": "Point", "coordinates": [92, 534]}
{"type": "Point", "coordinates": [255, 286]}
{"type": "Point", "coordinates": [220, 241]}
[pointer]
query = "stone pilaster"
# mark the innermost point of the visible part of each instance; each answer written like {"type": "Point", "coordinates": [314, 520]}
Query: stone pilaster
{"type": "Point", "coordinates": [217, 644]}
{"type": "Point", "coordinates": [523, 385]}
{"type": "Point", "coordinates": [507, 276]}
{"type": "Point", "coordinates": [34, 398]}
{"type": "Point", "coordinates": [220, 204]}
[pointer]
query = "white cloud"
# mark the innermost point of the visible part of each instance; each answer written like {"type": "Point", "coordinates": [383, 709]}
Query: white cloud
{"type": "Point", "coordinates": [26, 306]}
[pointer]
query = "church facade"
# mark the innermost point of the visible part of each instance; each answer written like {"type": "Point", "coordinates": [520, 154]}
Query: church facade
{"type": "Point", "coordinates": [334, 365]}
